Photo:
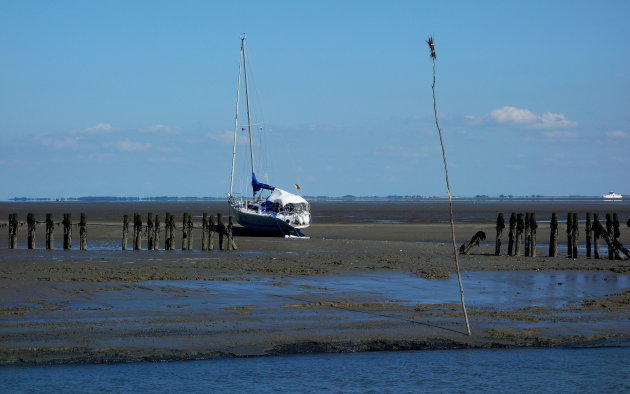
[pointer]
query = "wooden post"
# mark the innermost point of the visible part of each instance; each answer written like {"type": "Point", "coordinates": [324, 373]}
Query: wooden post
{"type": "Point", "coordinates": [474, 241]}
{"type": "Point", "coordinates": [137, 231]}
{"type": "Point", "coordinates": [596, 236]}
{"type": "Point", "coordinates": [31, 223]}
{"type": "Point", "coordinates": [613, 244]}
{"type": "Point", "coordinates": [500, 226]}
{"type": "Point", "coordinates": [211, 230]}
{"type": "Point", "coordinates": [533, 226]}
{"type": "Point", "coordinates": [171, 225]}
{"type": "Point", "coordinates": [83, 233]}
{"type": "Point", "coordinates": [150, 231]}
{"type": "Point", "coordinates": [185, 232]}
{"type": "Point", "coordinates": [13, 229]}
{"type": "Point", "coordinates": [553, 236]}
{"type": "Point", "coordinates": [191, 237]}
{"type": "Point", "coordinates": [50, 235]}
{"type": "Point", "coordinates": [125, 231]}
{"type": "Point", "coordinates": [528, 239]}
{"type": "Point", "coordinates": [221, 230]}
{"type": "Point", "coordinates": [575, 235]}
{"type": "Point", "coordinates": [167, 231]}
{"type": "Point", "coordinates": [589, 235]}
{"type": "Point", "coordinates": [616, 232]}
{"type": "Point", "coordinates": [520, 226]}
{"type": "Point", "coordinates": [156, 233]}
{"type": "Point", "coordinates": [609, 230]}
{"type": "Point", "coordinates": [569, 234]}
{"type": "Point", "coordinates": [230, 234]}
{"type": "Point", "coordinates": [511, 234]}
{"type": "Point", "coordinates": [67, 231]}
{"type": "Point", "coordinates": [204, 232]}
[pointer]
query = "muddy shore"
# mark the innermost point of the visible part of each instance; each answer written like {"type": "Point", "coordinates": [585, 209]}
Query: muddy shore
{"type": "Point", "coordinates": [271, 297]}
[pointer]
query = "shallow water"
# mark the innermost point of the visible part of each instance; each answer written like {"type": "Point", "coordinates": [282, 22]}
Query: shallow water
{"type": "Point", "coordinates": [515, 370]}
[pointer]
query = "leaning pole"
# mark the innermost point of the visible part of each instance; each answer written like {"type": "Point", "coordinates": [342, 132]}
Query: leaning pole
{"type": "Point", "coordinates": [448, 187]}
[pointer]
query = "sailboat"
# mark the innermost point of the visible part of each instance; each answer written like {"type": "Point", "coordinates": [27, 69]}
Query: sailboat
{"type": "Point", "coordinates": [279, 211]}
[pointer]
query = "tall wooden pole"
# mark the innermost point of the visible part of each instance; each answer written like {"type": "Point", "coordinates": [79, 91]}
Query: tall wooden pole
{"type": "Point", "coordinates": [221, 230]}
{"type": "Point", "coordinates": [190, 232]}
{"type": "Point", "coordinates": [211, 231]}
{"type": "Point", "coordinates": [533, 226]}
{"type": "Point", "coordinates": [204, 232]}
{"type": "Point", "coordinates": [150, 233]}
{"type": "Point", "coordinates": [67, 231]}
{"type": "Point", "coordinates": [589, 235]}
{"type": "Point", "coordinates": [609, 230]}
{"type": "Point", "coordinates": [185, 232]}
{"type": "Point", "coordinates": [596, 235]}
{"type": "Point", "coordinates": [448, 189]}
{"type": "Point", "coordinates": [569, 235]}
{"type": "Point", "coordinates": [156, 233]}
{"type": "Point", "coordinates": [575, 234]}
{"type": "Point", "coordinates": [137, 231]}
{"type": "Point", "coordinates": [520, 226]}
{"type": "Point", "coordinates": [13, 230]}
{"type": "Point", "coordinates": [125, 231]}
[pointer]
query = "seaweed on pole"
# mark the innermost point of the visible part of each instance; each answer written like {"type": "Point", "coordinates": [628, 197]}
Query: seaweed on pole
{"type": "Point", "coordinates": [431, 44]}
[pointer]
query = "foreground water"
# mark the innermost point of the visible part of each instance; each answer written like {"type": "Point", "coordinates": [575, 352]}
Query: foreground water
{"type": "Point", "coordinates": [515, 370]}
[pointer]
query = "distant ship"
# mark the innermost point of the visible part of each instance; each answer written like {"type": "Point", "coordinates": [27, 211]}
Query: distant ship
{"type": "Point", "coordinates": [612, 196]}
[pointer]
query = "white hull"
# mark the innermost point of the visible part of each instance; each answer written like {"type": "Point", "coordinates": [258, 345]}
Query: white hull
{"type": "Point", "coordinates": [269, 221]}
{"type": "Point", "coordinates": [612, 196]}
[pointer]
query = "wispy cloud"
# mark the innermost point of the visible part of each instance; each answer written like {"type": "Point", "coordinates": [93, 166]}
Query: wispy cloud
{"type": "Point", "coordinates": [226, 137]}
{"type": "Point", "coordinates": [160, 128]}
{"type": "Point", "coordinates": [129, 146]}
{"type": "Point", "coordinates": [616, 134]}
{"type": "Point", "coordinates": [526, 118]}
{"type": "Point", "coordinates": [59, 142]}
{"type": "Point", "coordinates": [99, 129]}
{"type": "Point", "coordinates": [559, 134]}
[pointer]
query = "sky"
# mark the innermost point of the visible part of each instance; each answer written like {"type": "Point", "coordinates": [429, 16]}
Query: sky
{"type": "Point", "coordinates": [137, 98]}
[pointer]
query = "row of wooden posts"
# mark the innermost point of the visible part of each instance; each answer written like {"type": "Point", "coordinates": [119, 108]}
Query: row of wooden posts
{"type": "Point", "coordinates": [152, 230]}
{"type": "Point", "coordinates": [522, 230]}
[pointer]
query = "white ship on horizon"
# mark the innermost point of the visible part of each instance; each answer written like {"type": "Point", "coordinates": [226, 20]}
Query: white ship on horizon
{"type": "Point", "coordinates": [612, 196]}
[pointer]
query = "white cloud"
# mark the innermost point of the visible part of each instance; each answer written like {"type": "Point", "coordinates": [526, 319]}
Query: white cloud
{"type": "Point", "coordinates": [160, 128]}
{"type": "Point", "coordinates": [526, 118]}
{"type": "Point", "coordinates": [130, 146]}
{"type": "Point", "coordinates": [100, 128]}
{"type": "Point", "coordinates": [617, 134]}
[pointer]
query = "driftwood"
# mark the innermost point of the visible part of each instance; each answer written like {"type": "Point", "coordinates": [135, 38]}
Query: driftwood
{"type": "Point", "coordinates": [474, 241]}
{"type": "Point", "coordinates": [500, 226]}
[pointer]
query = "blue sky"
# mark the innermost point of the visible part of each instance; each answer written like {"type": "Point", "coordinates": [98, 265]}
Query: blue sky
{"type": "Point", "coordinates": [137, 98]}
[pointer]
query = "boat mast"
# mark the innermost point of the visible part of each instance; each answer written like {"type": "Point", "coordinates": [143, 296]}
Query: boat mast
{"type": "Point", "coordinates": [249, 123]}
{"type": "Point", "coordinates": [238, 96]}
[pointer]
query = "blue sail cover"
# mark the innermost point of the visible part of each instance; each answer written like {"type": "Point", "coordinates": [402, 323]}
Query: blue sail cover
{"type": "Point", "coordinates": [258, 186]}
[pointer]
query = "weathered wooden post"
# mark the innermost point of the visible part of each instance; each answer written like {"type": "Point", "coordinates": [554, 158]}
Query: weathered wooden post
{"type": "Point", "coordinates": [528, 239]}
{"type": "Point", "coordinates": [596, 235]}
{"type": "Point", "coordinates": [230, 234]}
{"type": "Point", "coordinates": [616, 233]}
{"type": "Point", "coordinates": [125, 231]}
{"type": "Point", "coordinates": [211, 229]}
{"type": "Point", "coordinates": [520, 226]}
{"type": "Point", "coordinates": [533, 226]}
{"type": "Point", "coordinates": [575, 234]}
{"type": "Point", "coordinates": [50, 232]}
{"type": "Point", "coordinates": [474, 241]}
{"type": "Point", "coordinates": [167, 231]}
{"type": "Point", "coordinates": [221, 230]}
{"type": "Point", "coordinates": [150, 231]}
{"type": "Point", "coordinates": [31, 223]}
{"type": "Point", "coordinates": [613, 244]}
{"type": "Point", "coordinates": [13, 230]}
{"type": "Point", "coordinates": [204, 232]}
{"type": "Point", "coordinates": [185, 232]}
{"type": "Point", "coordinates": [609, 230]}
{"type": "Point", "coordinates": [171, 225]}
{"type": "Point", "coordinates": [500, 226]}
{"type": "Point", "coordinates": [67, 231]}
{"type": "Point", "coordinates": [137, 231]}
{"type": "Point", "coordinates": [553, 236]}
{"type": "Point", "coordinates": [589, 235]}
{"type": "Point", "coordinates": [83, 232]}
{"type": "Point", "coordinates": [191, 227]}
{"type": "Point", "coordinates": [512, 223]}
{"type": "Point", "coordinates": [569, 234]}
{"type": "Point", "coordinates": [156, 233]}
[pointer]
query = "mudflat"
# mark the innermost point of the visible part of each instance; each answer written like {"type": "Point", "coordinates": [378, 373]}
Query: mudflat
{"type": "Point", "coordinates": [372, 276]}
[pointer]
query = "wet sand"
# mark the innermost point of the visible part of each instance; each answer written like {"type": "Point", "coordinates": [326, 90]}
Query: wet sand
{"type": "Point", "coordinates": [276, 296]}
